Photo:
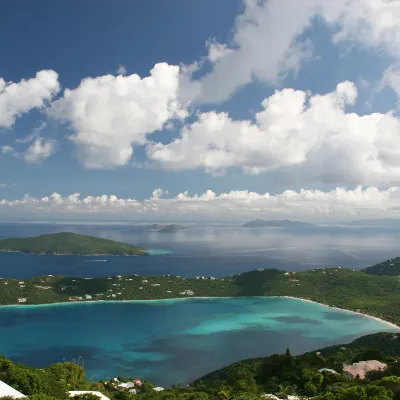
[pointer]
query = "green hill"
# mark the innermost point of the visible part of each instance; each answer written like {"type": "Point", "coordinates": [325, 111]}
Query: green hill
{"type": "Point", "coordinates": [389, 267]}
{"type": "Point", "coordinates": [67, 243]}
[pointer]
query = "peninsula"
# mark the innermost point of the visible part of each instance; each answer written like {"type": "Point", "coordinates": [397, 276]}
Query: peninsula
{"type": "Point", "coordinates": [284, 223]}
{"type": "Point", "coordinates": [68, 243]}
{"type": "Point", "coordinates": [377, 296]}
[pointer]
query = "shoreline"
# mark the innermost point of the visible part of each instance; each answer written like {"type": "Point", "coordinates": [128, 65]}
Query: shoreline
{"type": "Point", "coordinates": [144, 301]}
{"type": "Point", "coordinates": [388, 323]}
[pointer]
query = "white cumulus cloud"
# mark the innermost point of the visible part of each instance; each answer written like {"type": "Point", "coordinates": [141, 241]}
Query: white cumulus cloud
{"type": "Point", "coordinates": [313, 133]}
{"type": "Point", "coordinates": [109, 114]}
{"type": "Point", "coordinates": [40, 150]}
{"type": "Point", "coordinates": [17, 98]}
{"type": "Point", "coordinates": [317, 205]}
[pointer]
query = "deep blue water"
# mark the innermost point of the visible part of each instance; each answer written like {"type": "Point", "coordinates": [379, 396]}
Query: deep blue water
{"type": "Point", "coordinates": [215, 251]}
{"type": "Point", "coordinates": [172, 341]}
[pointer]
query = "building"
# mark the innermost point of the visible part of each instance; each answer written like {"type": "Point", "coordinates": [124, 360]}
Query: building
{"type": "Point", "coordinates": [8, 391]}
{"type": "Point", "coordinates": [158, 389]}
{"type": "Point", "coordinates": [21, 300]}
{"type": "Point", "coordinates": [332, 371]}
{"type": "Point", "coordinates": [361, 368]}
{"type": "Point", "coordinates": [74, 393]}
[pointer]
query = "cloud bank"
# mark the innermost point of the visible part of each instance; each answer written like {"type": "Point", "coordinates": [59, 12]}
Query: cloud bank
{"type": "Point", "coordinates": [312, 205]}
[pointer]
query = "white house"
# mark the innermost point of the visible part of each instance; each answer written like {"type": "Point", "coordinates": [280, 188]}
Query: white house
{"type": "Point", "coordinates": [158, 389]}
{"type": "Point", "coordinates": [8, 391]}
{"type": "Point", "coordinates": [74, 393]}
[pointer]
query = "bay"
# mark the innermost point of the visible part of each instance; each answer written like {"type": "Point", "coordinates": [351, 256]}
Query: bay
{"type": "Point", "coordinates": [173, 341]}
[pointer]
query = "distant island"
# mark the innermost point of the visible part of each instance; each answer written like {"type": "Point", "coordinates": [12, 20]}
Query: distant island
{"type": "Point", "coordinates": [382, 222]}
{"type": "Point", "coordinates": [363, 292]}
{"type": "Point", "coordinates": [171, 228]}
{"type": "Point", "coordinates": [166, 227]}
{"type": "Point", "coordinates": [282, 223]}
{"type": "Point", "coordinates": [68, 243]}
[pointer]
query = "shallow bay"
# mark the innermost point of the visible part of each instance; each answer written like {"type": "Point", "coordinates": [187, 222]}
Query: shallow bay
{"type": "Point", "coordinates": [172, 341]}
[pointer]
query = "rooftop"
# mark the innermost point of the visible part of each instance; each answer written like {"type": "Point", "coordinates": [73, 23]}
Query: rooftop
{"type": "Point", "coordinates": [6, 390]}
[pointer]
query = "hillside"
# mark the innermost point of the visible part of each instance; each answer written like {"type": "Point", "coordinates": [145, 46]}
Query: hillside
{"type": "Point", "coordinates": [389, 267]}
{"type": "Point", "coordinates": [259, 223]}
{"type": "Point", "coordinates": [300, 374]}
{"type": "Point", "coordinates": [67, 243]}
{"type": "Point", "coordinates": [374, 295]}
{"type": "Point", "coordinates": [278, 374]}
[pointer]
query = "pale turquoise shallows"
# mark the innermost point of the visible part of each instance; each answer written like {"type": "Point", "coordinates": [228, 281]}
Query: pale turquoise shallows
{"type": "Point", "coordinates": [172, 341]}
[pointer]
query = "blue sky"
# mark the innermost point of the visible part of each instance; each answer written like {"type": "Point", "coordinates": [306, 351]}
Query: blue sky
{"type": "Point", "coordinates": [253, 108]}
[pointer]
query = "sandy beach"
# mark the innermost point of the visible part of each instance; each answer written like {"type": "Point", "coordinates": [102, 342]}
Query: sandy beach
{"type": "Point", "coordinates": [392, 325]}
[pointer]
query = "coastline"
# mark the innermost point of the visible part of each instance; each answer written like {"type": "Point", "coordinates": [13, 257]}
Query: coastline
{"type": "Point", "coordinates": [175, 299]}
{"type": "Point", "coordinates": [388, 323]}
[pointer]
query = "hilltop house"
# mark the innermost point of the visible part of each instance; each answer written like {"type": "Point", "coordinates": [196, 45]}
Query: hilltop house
{"type": "Point", "coordinates": [8, 391]}
{"type": "Point", "coordinates": [361, 368]}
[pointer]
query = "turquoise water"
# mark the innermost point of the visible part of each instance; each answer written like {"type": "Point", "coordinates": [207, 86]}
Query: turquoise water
{"type": "Point", "coordinates": [173, 341]}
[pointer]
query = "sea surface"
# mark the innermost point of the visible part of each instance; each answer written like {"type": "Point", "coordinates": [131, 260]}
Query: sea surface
{"type": "Point", "coordinates": [172, 341]}
{"type": "Point", "coordinates": [206, 250]}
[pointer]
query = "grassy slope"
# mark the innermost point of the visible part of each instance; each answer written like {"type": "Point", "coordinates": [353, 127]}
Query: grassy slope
{"type": "Point", "coordinates": [69, 243]}
{"type": "Point", "coordinates": [333, 357]}
{"type": "Point", "coordinates": [389, 267]}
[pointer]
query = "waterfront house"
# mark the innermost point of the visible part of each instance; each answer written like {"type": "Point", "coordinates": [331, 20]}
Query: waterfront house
{"type": "Point", "coordinates": [88, 297]}
{"type": "Point", "coordinates": [74, 393]}
{"type": "Point", "coordinates": [138, 382]}
{"type": "Point", "coordinates": [158, 389]}
{"type": "Point", "coordinates": [22, 300]}
{"type": "Point", "coordinates": [361, 368]}
{"type": "Point", "coordinates": [8, 391]}
{"type": "Point", "coordinates": [132, 391]}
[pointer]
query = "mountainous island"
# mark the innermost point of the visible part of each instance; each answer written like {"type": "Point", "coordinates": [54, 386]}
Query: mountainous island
{"type": "Point", "coordinates": [68, 243]}
{"type": "Point", "coordinates": [317, 375]}
{"type": "Point", "coordinates": [167, 228]}
{"type": "Point", "coordinates": [283, 223]}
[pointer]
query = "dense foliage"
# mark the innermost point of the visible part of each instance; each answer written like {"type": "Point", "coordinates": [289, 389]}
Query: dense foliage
{"type": "Point", "coordinates": [389, 267]}
{"type": "Point", "coordinates": [69, 243]}
{"type": "Point", "coordinates": [279, 374]}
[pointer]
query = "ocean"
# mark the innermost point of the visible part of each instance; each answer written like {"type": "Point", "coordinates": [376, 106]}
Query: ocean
{"type": "Point", "coordinates": [206, 250]}
{"type": "Point", "coordinates": [174, 341]}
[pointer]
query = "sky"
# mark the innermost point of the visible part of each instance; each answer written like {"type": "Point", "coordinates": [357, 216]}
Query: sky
{"type": "Point", "coordinates": [153, 110]}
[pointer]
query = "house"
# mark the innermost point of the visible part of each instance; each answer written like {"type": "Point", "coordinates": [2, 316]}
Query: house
{"type": "Point", "coordinates": [332, 371]}
{"type": "Point", "coordinates": [361, 368]}
{"type": "Point", "coordinates": [132, 391]}
{"type": "Point", "coordinates": [74, 393]}
{"type": "Point", "coordinates": [138, 382]}
{"type": "Point", "coordinates": [158, 389]}
{"type": "Point", "coordinates": [8, 391]}
{"type": "Point", "coordinates": [21, 300]}
{"type": "Point", "coordinates": [88, 297]}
